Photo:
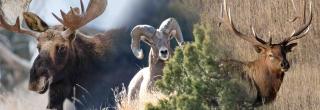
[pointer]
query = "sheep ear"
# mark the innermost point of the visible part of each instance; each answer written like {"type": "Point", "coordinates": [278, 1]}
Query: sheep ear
{"type": "Point", "coordinates": [173, 33]}
{"type": "Point", "coordinates": [145, 40]}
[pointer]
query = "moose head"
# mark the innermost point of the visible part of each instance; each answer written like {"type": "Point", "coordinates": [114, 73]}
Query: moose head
{"type": "Point", "coordinates": [55, 44]}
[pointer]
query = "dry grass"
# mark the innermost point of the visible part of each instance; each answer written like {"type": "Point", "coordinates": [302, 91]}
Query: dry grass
{"type": "Point", "coordinates": [22, 99]}
{"type": "Point", "coordinates": [138, 104]}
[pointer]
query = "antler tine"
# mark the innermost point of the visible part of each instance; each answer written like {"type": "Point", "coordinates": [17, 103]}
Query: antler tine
{"type": "Point", "coordinates": [82, 6]}
{"type": "Point", "coordinates": [302, 30]}
{"type": "Point", "coordinates": [16, 27]}
{"type": "Point", "coordinates": [74, 19]}
{"type": "Point", "coordinates": [295, 11]}
{"type": "Point", "coordinates": [256, 37]}
{"type": "Point", "coordinates": [304, 12]}
{"type": "Point", "coordinates": [227, 19]}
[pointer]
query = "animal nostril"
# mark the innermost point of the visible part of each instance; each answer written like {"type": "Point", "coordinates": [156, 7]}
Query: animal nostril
{"type": "Point", "coordinates": [163, 51]}
{"type": "Point", "coordinates": [287, 65]}
{"type": "Point", "coordinates": [284, 65]}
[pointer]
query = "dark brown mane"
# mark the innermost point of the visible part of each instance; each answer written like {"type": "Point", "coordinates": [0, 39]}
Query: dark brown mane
{"type": "Point", "coordinates": [96, 46]}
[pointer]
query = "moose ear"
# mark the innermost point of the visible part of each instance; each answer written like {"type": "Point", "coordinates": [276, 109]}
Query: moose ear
{"type": "Point", "coordinates": [34, 22]}
{"type": "Point", "coordinates": [289, 47]}
{"type": "Point", "coordinates": [258, 48]}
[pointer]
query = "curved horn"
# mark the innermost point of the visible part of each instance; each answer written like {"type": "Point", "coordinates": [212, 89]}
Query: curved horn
{"type": "Point", "coordinates": [171, 27]}
{"type": "Point", "coordinates": [138, 33]}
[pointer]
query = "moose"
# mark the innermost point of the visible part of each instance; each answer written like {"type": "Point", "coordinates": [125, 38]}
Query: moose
{"type": "Point", "coordinates": [69, 63]}
{"type": "Point", "coordinates": [266, 73]}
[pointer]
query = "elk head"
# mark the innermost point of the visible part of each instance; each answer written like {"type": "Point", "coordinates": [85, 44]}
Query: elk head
{"type": "Point", "coordinates": [274, 55]}
{"type": "Point", "coordinates": [157, 39]}
{"type": "Point", "coordinates": [55, 44]}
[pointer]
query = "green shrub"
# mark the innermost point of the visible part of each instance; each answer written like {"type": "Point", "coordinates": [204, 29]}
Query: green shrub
{"type": "Point", "coordinates": [193, 79]}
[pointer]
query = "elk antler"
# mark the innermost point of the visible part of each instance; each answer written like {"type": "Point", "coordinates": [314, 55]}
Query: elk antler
{"type": "Point", "coordinates": [16, 27]}
{"type": "Point", "coordinates": [226, 18]}
{"type": "Point", "coordinates": [302, 30]}
{"type": "Point", "coordinates": [74, 19]}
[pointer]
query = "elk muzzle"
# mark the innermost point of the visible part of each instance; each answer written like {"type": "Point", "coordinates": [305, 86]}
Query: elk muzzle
{"type": "Point", "coordinates": [284, 66]}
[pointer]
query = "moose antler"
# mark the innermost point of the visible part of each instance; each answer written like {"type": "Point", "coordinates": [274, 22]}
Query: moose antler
{"type": "Point", "coordinates": [74, 19]}
{"type": "Point", "coordinates": [227, 19]}
{"type": "Point", "coordinates": [16, 27]}
{"type": "Point", "coordinates": [302, 30]}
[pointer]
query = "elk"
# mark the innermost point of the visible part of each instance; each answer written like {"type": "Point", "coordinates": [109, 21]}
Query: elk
{"type": "Point", "coordinates": [69, 62]}
{"type": "Point", "coordinates": [268, 70]}
{"type": "Point", "coordinates": [159, 41]}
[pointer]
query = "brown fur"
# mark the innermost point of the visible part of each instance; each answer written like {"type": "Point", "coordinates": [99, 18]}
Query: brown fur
{"type": "Point", "coordinates": [268, 70]}
{"type": "Point", "coordinates": [265, 74]}
{"type": "Point", "coordinates": [65, 63]}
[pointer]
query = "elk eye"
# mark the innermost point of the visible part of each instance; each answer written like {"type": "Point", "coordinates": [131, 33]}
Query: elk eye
{"type": "Point", "coordinates": [270, 56]}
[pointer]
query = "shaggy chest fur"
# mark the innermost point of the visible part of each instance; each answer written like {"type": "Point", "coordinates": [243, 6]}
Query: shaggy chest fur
{"type": "Point", "coordinates": [267, 81]}
{"type": "Point", "coordinates": [257, 84]}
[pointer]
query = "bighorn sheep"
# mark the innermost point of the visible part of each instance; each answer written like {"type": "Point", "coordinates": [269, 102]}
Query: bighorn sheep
{"type": "Point", "coordinates": [267, 72]}
{"type": "Point", "coordinates": [159, 41]}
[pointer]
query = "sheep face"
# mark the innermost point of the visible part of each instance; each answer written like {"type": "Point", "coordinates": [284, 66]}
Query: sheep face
{"type": "Point", "coordinates": [162, 45]}
{"type": "Point", "coordinates": [157, 39]}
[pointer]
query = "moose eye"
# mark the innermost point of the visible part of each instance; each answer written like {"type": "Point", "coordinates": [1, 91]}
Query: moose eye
{"type": "Point", "coordinates": [61, 51]}
{"type": "Point", "coordinates": [39, 47]}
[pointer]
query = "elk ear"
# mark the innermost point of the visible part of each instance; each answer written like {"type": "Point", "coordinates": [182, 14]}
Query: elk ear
{"type": "Point", "coordinates": [34, 22]}
{"type": "Point", "coordinates": [258, 48]}
{"type": "Point", "coordinates": [289, 47]}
